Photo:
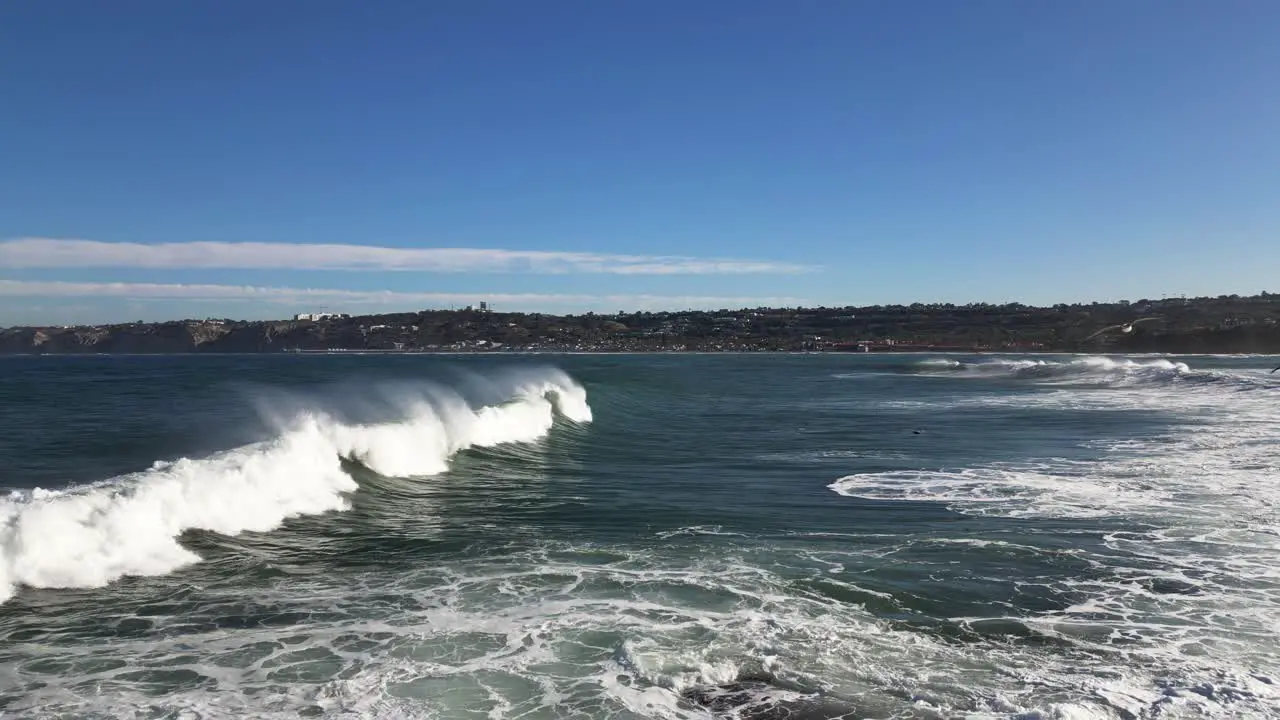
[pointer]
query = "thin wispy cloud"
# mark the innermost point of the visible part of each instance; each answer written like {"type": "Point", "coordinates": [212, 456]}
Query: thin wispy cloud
{"type": "Point", "coordinates": [300, 296]}
{"type": "Point", "coordinates": [66, 253]}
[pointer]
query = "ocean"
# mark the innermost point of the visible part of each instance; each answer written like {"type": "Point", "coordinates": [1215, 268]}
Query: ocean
{"type": "Point", "coordinates": [639, 536]}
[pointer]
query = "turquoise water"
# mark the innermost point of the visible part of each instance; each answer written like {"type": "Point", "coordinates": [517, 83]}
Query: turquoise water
{"type": "Point", "coordinates": [658, 536]}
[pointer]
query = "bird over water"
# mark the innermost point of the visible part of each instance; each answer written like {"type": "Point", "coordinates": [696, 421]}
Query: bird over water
{"type": "Point", "coordinates": [1122, 327]}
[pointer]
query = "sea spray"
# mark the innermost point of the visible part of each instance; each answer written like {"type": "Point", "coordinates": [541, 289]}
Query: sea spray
{"type": "Point", "coordinates": [92, 535]}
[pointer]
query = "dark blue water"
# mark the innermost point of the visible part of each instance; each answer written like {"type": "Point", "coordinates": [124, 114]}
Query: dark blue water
{"type": "Point", "coordinates": [639, 536]}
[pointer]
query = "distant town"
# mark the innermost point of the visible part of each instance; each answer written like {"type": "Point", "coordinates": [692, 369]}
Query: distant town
{"type": "Point", "coordinates": [1225, 324]}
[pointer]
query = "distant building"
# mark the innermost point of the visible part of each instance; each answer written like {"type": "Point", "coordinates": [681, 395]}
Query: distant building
{"type": "Point", "coordinates": [484, 306]}
{"type": "Point", "coordinates": [317, 317]}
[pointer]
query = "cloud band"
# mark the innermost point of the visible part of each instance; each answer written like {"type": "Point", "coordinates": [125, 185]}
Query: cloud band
{"type": "Point", "coordinates": [297, 296]}
{"type": "Point", "coordinates": [66, 253]}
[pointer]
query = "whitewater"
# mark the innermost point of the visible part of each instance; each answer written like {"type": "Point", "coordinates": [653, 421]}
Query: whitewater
{"type": "Point", "coordinates": [988, 537]}
{"type": "Point", "coordinates": [89, 536]}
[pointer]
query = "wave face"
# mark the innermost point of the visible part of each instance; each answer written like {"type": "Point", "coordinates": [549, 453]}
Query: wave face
{"type": "Point", "coordinates": [89, 536]}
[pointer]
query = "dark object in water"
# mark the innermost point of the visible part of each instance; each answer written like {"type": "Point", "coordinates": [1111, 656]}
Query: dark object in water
{"type": "Point", "coordinates": [917, 432]}
{"type": "Point", "coordinates": [761, 699]}
{"type": "Point", "coordinates": [1169, 586]}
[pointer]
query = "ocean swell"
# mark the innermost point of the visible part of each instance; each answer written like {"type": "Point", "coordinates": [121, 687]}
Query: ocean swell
{"type": "Point", "coordinates": [1088, 369]}
{"type": "Point", "coordinates": [91, 535]}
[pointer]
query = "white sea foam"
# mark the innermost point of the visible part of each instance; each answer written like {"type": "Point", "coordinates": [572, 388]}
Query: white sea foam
{"type": "Point", "coordinates": [1081, 369]}
{"type": "Point", "coordinates": [1190, 524]}
{"type": "Point", "coordinates": [89, 536]}
{"type": "Point", "coordinates": [555, 632]}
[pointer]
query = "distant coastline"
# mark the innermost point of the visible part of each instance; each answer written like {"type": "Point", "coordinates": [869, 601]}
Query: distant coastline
{"type": "Point", "coordinates": [1221, 325]}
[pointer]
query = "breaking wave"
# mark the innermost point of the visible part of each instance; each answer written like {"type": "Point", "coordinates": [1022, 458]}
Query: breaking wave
{"type": "Point", "coordinates": [1087, 368]}
{"type": "Point", "coordinates": [1094, 371]}
{"type": "Point", "coordinates": [91, 535]}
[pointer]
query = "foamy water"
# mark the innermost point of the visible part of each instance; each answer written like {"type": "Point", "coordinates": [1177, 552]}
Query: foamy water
{"type": "Point", "coordinates": [1191, 579]}
{"type": "Point", "coordinates": [1013, 538]}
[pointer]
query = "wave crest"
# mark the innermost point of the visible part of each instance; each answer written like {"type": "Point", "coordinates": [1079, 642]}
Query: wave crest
{"type": "Point", "coordinates": [1088, 368]}
{"type": "Point", "coordinates": [92, 535]}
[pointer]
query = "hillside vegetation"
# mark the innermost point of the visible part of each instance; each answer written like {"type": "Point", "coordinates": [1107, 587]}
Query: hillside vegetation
{"type": "Point", "coordinates": [1226, 324]}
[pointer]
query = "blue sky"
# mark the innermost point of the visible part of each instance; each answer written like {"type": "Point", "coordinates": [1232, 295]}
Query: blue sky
{"type": "Point", "coordinates": [560, 155]}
